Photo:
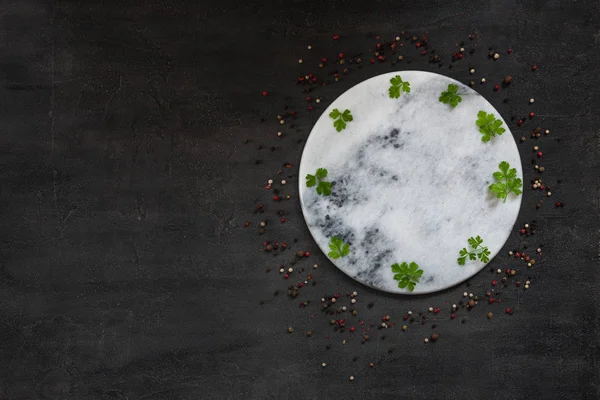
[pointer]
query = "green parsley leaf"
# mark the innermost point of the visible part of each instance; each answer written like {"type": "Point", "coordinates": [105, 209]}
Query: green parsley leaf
{"type": "Point", "coordinates": [338, 248]}
{"type": "Point", "coordinates": [507, 182]}
{"type": "Point", "coordinates": [340, 118]}
{"type": "Point", "coordinates": [478, 251]}
{"type": "Point", "coordinates": [398, 86]}
{"type": "Point", "coordinates": [489, 126]}
{"type": "Point", "coordinates": [407, 275]}
{"type": "Point", "coordinates": [311, 180]}
{"type": "Point", "coordinates": [451, 96]}
{"type": "Point", "coordinates": [323, 188]}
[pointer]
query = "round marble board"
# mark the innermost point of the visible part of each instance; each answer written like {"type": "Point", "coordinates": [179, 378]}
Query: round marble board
{"type": "Point", "coordinates": [409, 182]}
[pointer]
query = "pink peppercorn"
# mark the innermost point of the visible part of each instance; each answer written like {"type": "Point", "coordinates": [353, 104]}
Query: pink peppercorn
{"type": "Point", "coordinates": [520, 123]}
{"type": "Point", "coordinates": [282, 220]}
{"type": "Point", "coordinates": [452, 316]}
{"type": "Point", "coordinates": [508, 311]}
{"type": "Point", "coordinates": [275, 198]}
{"type": "Point", "coordinates": [265, 94]}
{"type": "Point", "coordinates": [286, 276]}
{"type": "Point", "coordinates": [336, 37]}
{"type": "Point", "coordinates": [531, 114]}
{"type": "Point", "coordinates": [539, 153]}
{"type": "Point", "coordinates": [306, 254]}
{"type": "Point", "coordinates": [494, 282]}
{"type": "Point", "coordinates": [496, 88]}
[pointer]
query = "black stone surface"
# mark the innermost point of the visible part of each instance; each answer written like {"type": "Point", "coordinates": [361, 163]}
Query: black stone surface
{"type": "Point", "coordinates": [125, 272]}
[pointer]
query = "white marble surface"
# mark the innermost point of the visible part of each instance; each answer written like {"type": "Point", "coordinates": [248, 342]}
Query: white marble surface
{"type": "Point", "coordinates": [411, 182]}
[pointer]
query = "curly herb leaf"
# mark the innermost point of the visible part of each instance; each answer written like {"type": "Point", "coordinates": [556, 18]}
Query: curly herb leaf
{"type": "Point", "coordinates": [407, 275]}
{"type": "Point", "coordinates": [340, 118]}
{"type": "Point", "coordinates": [338, 248]}
{"type": "Point", "coordinates": [489, 126]}
{"type": "Point", "coordinates": [478, 251]}
{"type": "Point", "coordinates": [507, 182]}
{"type": "Point", "coordinates": [451, 96]}
{"type": "Point", "coordinates": [323, 188]}
{"type": "Point", "coordinates": [398, 86]}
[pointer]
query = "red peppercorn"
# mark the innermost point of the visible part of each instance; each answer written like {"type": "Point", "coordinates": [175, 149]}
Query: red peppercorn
{"type": "Point", "coordinates": [558, 204]}
{"type": "Point", "coordinates": [531, 114]}
{"type": "Point", "coordinates": [286, 276]}
{"type": "Point", "coordinates": [452, 316]}
{"type": "Point", "coordinates": [534, 67]}
{"type": "Point", "coordinates": [306, 254]}
{"type": "Point", "coordinates": [418, 44]}
{"type": "Point", "coordinates": [494, 282]}
{"type": "Point", "coordinates": [310, 108]}
{"type": "Point", "coordinates": [405, 317]}
{"type": "Point", "coordinates": [508, 311]}
{"type": "Point", "coordinates": [265, 94]}
{"type": "Point", "coordinates": [520, 122]}
{"type": "Point", "coordinates": [260, 206]}
{"type": "Point", "coordinates": [508, 270]}
{"type": "Point", "coordinates": [517, 255]}
{"type": "Point", "coordinates": [491, 300]}
{"type": "Point", "coordinates": [336, 295]}
{"type": "Point", "coordinates": [526, 258]}
{"type": "Point", "coordinates": [276, 198]}
{"type": "Point", "coordinates": [372, 61]}
{"type": "Point", "coordinates": [341, 55]}
{"type": "Point", "coordinates": [336, 37]}
{"type": "Point", "coordinates": [539, 153]}
{"type": "Point", "coordinates": [523, 231]}
{"type": "Point", "coordinates": [460, 56]}
{"type": "Point", "coordinates": [496, 87]}
{"type": "Point", "coordinates": [352, 329]}
{"type": "Point", "coordinates": [314, 79]}
{"type": "Point", "coordinates": [307, 98]}
{"type": "Point", "coordinates": [436, 310]}
{"type": "Point", "coordinates": [323, 60]}
{"type": "Point", "coordinates": [282, 220]}
{"type": "Point", "coordinates": [268, 187]}
{"type": "Point", "coordinates": [424, 52]}
{"type": "Point", "coordinates": [509, 51]}
{"type": "Point", "coordinates": [380, 58]}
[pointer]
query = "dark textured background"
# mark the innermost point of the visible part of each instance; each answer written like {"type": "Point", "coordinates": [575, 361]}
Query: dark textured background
{"type": "Point", "coordinates": [125, 272]}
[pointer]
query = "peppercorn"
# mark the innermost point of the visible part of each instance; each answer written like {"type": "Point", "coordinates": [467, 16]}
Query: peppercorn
{"type": "Point", "coordinates": [309, 333]}
{"type": "Point", "coordinates": [299, 253]}
{"type": "Point", "coordinates": [290, 329]}
{"type": "Point", "coordinates": [435, 336]}
{"type": "Point", "coordinates": [490, 315]}
{"type": "Point", "coordinates": [508, 80]}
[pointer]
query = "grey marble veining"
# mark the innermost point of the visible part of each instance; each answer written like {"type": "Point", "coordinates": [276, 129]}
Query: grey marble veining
{"type": "Point", "coordinates": [411, 179]}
